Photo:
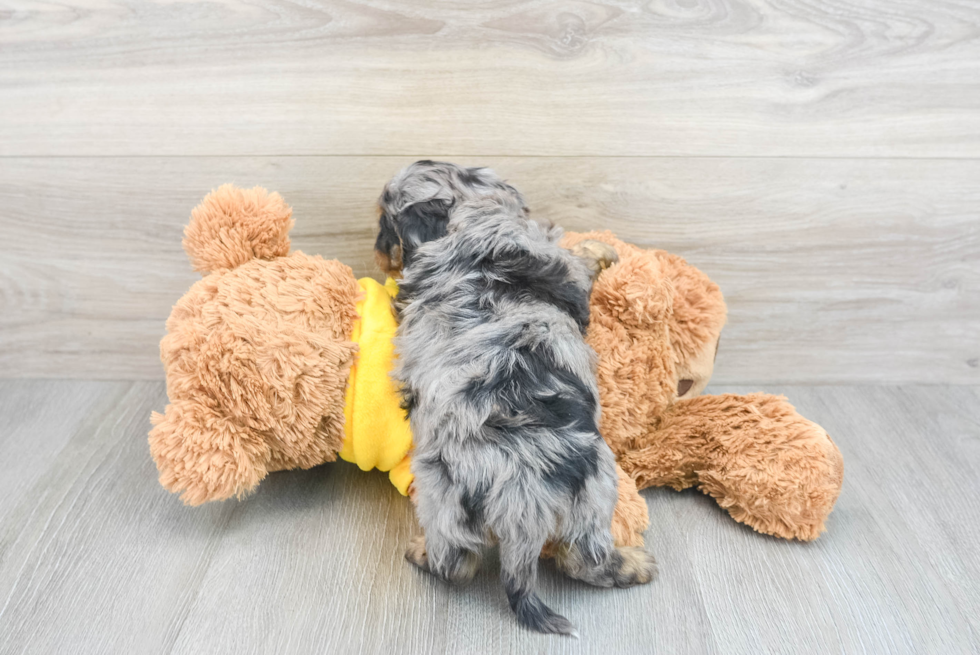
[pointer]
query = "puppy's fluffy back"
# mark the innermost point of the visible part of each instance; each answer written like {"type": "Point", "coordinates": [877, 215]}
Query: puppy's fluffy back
{"type": "Point", "coordinates": [501, 392]}
{"type": "Point", "coordinates": [497, 283]}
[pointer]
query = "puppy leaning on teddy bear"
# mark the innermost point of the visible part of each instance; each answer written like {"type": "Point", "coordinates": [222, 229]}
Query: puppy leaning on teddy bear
{"type": "Point", "coordinates": [500, 388]}
{"type": "Point", "coordinates": [279, 360]}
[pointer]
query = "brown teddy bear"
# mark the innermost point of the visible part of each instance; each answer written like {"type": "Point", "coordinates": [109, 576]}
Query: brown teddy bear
{"type": "Point", "coordinates": [278, 361]}
{"type": "Point", "coordinates": [655, 323]}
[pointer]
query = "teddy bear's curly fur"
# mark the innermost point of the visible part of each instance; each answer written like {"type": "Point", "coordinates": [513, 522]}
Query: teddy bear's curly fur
{"type": "Point", "coordinates": [258, 353]}
{"type": "Point", "coordinates": [655, 324]}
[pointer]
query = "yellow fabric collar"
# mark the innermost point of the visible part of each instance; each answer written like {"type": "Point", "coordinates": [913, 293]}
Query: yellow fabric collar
{"type": "Point", "coordinates": [376, 431]}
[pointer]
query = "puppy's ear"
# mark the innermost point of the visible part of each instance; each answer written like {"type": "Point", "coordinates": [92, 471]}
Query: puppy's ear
{"type": "Point", "coordinates": [387, 247]}
{"type": "Point", "coordinates": [419, 223]}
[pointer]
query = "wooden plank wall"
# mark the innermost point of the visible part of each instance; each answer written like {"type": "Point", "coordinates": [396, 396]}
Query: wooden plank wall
{"type": "Point", "coordinates": [819, 160]}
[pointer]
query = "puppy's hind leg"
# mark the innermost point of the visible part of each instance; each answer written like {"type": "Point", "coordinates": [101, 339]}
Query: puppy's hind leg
{"type": "Point", "coordinates": [594, 559]}
{"type": "Point", "coordinates": [449, 562]}
{"type": "Point", "coordinates": [416, 553]}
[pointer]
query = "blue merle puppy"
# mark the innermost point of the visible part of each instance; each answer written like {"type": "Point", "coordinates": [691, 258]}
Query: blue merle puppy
{"type": "Point", "coordinates": [500, 388]}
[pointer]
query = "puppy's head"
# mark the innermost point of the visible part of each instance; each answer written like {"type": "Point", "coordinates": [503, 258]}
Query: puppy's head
{"type": "Point", "coordinates": [415, 207]}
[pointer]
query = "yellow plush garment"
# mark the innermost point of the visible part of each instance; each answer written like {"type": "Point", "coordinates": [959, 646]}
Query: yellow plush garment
{"type": "Point", "coordinates": [376, 433]}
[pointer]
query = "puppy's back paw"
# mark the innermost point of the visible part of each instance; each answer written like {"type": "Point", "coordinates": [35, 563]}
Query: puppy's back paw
{"type": "Point", "coordinates": [416, 553]}
{"type": "Point", "coordinates": [637, 567]}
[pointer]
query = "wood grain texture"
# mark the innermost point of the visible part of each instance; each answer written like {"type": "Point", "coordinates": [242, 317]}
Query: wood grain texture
{"type": "Point", "coordinates": [539, 77]}
{"type": "Point", "coordinates": [95, 557]}
{"type": "Point", "coordinates": [834, 270]}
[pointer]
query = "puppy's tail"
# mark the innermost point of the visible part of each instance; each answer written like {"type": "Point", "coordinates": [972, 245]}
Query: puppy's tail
{"type": "Point", "coordinates": [519, 571]}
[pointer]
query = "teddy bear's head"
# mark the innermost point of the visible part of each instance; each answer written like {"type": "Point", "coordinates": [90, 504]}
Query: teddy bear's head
{"type": "Point", "coordinates": [697, 318]}
{"type": "Point", "coordinates": [655, 323]}
{"type": "Point", "coordinates": [256, 353]}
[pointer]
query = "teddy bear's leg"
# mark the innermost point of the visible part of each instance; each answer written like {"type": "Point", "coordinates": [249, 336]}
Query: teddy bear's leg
{"type": "Point", "coordinates": [205, 457]}
{"type": "Point", "coordinates": [768, 466]}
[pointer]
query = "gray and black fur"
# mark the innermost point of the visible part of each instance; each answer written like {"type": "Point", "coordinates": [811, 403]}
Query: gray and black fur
{"type": "Point", "coordinates": [415, 206]}
{"type": "Point", "coordinates": [500, 389]}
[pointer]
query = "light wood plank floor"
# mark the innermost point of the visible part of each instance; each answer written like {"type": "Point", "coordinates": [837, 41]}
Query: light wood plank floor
{"type": "Point", "coordinates": [95, 557]}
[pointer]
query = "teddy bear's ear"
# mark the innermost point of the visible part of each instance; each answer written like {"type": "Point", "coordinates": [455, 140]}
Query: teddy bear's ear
{"type": "Point", "coordinates": [232, 226]}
